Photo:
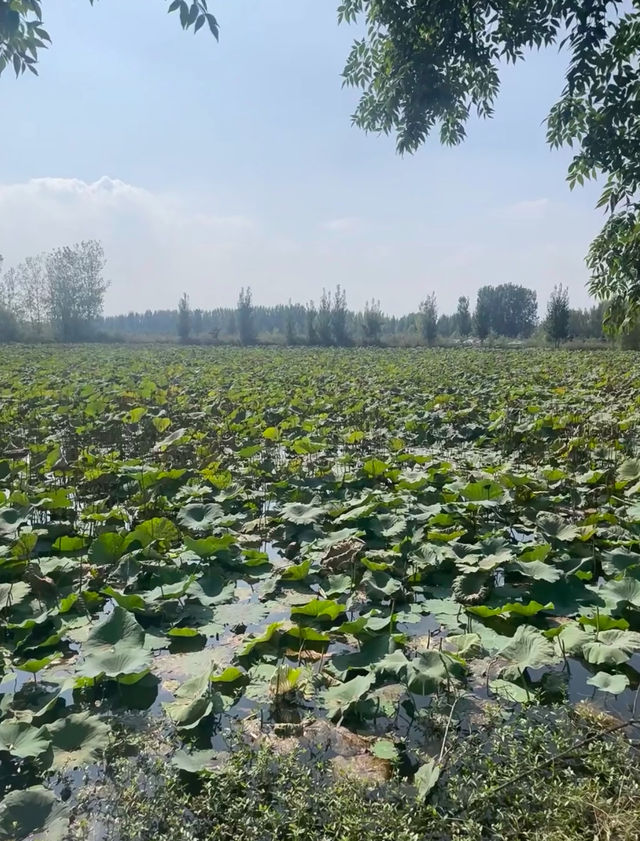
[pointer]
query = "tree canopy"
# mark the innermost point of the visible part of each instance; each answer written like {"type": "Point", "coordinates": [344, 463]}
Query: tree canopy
{"type": "Point", "coordinates": [427, 65]}
{"type": "Point", "coordinates": [23, 33]}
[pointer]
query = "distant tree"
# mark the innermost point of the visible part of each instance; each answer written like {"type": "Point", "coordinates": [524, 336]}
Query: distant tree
{"type": "Point", "coordinates": [9, 330]}
{"type": "Point", "coordinates": [446, 325]}
{"type": "Point", "coordinates": [463, 317]}
{"type": "Point", "coordinates": [33, 281]}
{"type": "Point", "coordinates": [184, 319]}
{"type": "Point", "coordinates": [196, 322]}
{"type": "Point", "coordinates": [10, 293]}
{"type": "Point", "coordinates": [244, 317]}
{"type": "Point", "coordinates": [75, 288]}
{"type": "Point", "coordinates": [556, 324]}
{"type": "Point", "coordinates": [372, 319]}
{"type": "Point", "coordinates": [289, 325]}
{"type": "Point", "coordinates": [311, 318]}
{"type": "Point", "coordinates": [513, 309]}
{"type": "Point", "coordinates": [429, 319]}
{"type": "Point", "coordinates": [482, 314]}
{"type": "Point", "coordinates": [323, 321]}
{"type": "Point", "coordinates": [339, 317]}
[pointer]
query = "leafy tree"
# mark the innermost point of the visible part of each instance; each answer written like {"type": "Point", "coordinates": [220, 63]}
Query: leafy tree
{"type": "Point", "coordinates": [463, 317]}
{"type": "Point", "coordinates": [9, 330]}
{"type": "Point", "coordinates": [482, 314]}
{"type": "Point", "coordinates": [512, 309]}
{"type": "Point", "coordinates": [426, 65]}
{"type": "Point", "coordinates": [244, 317]}
{"type": "Point", "coordinates": [289, 326]}
{"type": "Point", "coordinates": [556, 323]}
{"type": "Point", "coordinates": [22, 32]}
{"type": "Point", "coordinates": [184, 319]}
{"type": "Point", "coordinates": [323, 320]}
{"type": "Point", "coordinates": [311, 317]}
{"type": "Point", "coordinates": [429, 319]}
{"type": "Point", "coordinates": [372, 320]}
{"type": "Point", "coordinates": [75, 288]}
{"type": "Point", "coordinates": [196, 321]}
{"type": "Point", "coordinates": [339, 317]}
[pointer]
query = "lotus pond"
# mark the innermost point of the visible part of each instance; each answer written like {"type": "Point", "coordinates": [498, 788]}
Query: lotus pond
{"type": "Point", "coordinates": [291, 544]}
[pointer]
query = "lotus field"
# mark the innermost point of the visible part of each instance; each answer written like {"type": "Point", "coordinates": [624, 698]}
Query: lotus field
{"type": "Point", "coordinates": [286, 542]}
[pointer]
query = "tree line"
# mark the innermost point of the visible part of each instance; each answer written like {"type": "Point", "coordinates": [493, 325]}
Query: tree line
{"type": "Point", "coordinates": [58, 294]}
{"type": "Point", "coordinates": [508, 310]}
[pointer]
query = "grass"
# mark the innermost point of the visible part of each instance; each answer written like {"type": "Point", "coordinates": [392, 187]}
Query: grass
{"type": "Point", "coordinates": [591, 793]}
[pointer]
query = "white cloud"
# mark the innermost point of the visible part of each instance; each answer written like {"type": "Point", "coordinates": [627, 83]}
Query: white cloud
{"type": "Point", "coordinates": [343, 225]}
{"type": "Point", "coordinates": [159, 244]}
{"type": "Point", "coordinates": [530, 210]}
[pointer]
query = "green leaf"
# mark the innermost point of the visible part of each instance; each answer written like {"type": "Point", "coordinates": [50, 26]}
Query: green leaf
{"type": "Point", "coordinates": [207, 547]}
{"type": "Point", "coordinates": [156, 529]}
{"type": "Point", "coordinates": [32, 810]}
{"type": "Point", "coordinates": [385, 749]}
{"type": "Point", "coordinates": [200, 517]}
{"type": "Point", "coordinates": [130, 602]}
{"type": "Point", "coordinates": [114, 647]}
{"type": "Point", "coordinates": [615, 684]}
{"type": "Point", "coordinates": [78, 740]}
{"type": "Point", "coordinates": [338, 700]}
{"type": "Point", "coordinates": [426, 778]}
{"type": "Point", "coordinates": [107, 548]}
{"type": "Point", "coordinates": [510, 691]}
{"type": "Point", "coordinates": [527, 649]}
{"type": "Point", "coordinates": [194, 701]}
{"type": "Point", "coordinates": [21, 739]}
{"type": "Point", "coordinates": [513, 608]}
{"type": "Point", "coordinates": [320, 609]}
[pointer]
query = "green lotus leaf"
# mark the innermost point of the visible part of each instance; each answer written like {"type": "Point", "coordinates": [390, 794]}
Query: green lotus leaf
{"type": "Point", "coordinates": [555, 527]}
{"type": "Point", "coordinates": [300, 514]}
{"type": "Point", "coordinates": [129, 602]}
{"type": "Point", "coordinates": [527, 649]}
{"type": "Point", "coordinates": [195, 700]}
{"type": "Point", "coordinates": [265, 637]}
{"type": "Point", "coordinates": [618, 594]}
{"type": "Point", "coordinates": [78, 740]}
{"type": "Point", "coordinates": [338, 700]}
{"type": "Point", "coordinates": [194, 762]}
{"type": "Point", "coordinates": [432, 669]}
{"type": "Point", "coordinates": [538, 552]}
{"type": "Point", "coordinates": [325, 609]}
{"type": "Point", "coordinates": [513, 608]}
{"type": "Point", "coordinates": [296, 572]}
{"type": "Point", "coordinates": [114, 647]}
{"type": "Point", "coordinates": [21, 739]}
{"type": "Point", "coordinates": [509, 691]}
{"type": "Point", "coordinates": [240, 613]}
{"type": "Point", "coordinates": [537, 570]}
{"type": "Point", "coordinates": [605, 682]}
{"type": "Point", "coordinates": [472, 588]}
{"type": "Point", "coordinates": [481, 491]}
{"type": "Point", "coordinates": [200, 517]}
{"type": "Point", "coordinates": [151, 531]}
{"type": "Point", "coordinates": [207, 547]}
{"type": "Point", "coordinates": [107, 548]}
{"type": "Point", "coordinates": [611, 648]}
{"type": "Point", "coordinates": [11, 519]}
{"type": "Point", "coordinates": [32, 810]}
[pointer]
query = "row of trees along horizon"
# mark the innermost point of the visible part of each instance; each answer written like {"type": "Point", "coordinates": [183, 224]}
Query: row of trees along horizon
{"type": "Point", "coordinates": [59, 295]}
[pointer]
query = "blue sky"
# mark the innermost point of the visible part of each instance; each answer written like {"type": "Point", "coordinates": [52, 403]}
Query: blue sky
{"type": "Point", "coordinates": [204, 167]}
